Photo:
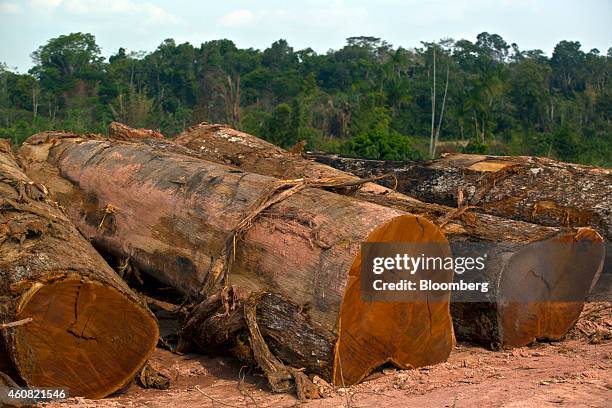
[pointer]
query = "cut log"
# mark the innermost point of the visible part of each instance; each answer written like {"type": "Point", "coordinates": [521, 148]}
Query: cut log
{"type": "Point", "coordinates": [222, 144]}
{"type": "Point", "coordinates": [172, 214]}
{"type": "Point", "coordinates": [119, 131]}
{"type": "Point", "coordinates": [531, 189]}
{"type": "Point", "coordinates": [493, 323]}
{"type": "Point", "coordinates": [67, 320]}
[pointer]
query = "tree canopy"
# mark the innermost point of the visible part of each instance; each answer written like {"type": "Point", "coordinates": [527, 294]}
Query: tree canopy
{"type": "Point", "coordinates": [368, 98]}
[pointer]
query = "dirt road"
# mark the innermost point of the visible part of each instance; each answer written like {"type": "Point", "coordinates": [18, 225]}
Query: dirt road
{"type": "Point", "coordinates": [574, 373]}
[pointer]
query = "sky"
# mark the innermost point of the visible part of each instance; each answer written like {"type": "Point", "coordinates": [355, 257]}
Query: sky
{"type": "Point", "coordinates": [141, 25]}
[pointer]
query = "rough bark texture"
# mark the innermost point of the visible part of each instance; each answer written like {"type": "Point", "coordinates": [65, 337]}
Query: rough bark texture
{"type": "Point", "coordinates": [222, 144]}
{"type": "Point", "coordinates": [531, 189]}
{"type": "Point", "coordinates": [170, 214]}
{"type": "Point", "coordinates": [489, 323]}
{"type": "Point", "coordinates": [119, 131]}
{"type": "Point", "coordinates": [286, 327]}
{"type": "Point", "coordinates": [84, 329]}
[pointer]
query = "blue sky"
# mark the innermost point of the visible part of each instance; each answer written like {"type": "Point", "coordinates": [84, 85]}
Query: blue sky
{"type": "Point", "coordinates": [320, 24]}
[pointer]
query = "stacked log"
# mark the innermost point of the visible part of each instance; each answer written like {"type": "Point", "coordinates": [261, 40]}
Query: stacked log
{"type": "Point", "coordinates": [503, 321]}
{"type": "Point", "coordinates": [531, 189]}
{"type": "Point", "coordinates": [177, 217]}
{"type": "Point", "coordinates": [119, 131]}
{"type": "Point", "coordinates": [66, 319]}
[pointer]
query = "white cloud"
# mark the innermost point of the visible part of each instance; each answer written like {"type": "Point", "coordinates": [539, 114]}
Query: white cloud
{"type": "Point", "coordinates": [10, 8]}
{"type": "Point", "coordinates": [105, 7]}
{"type": "Point", "coordinates": [238, 18]}
{"type": "Point", "coordinates": [336, 15]}
{"type": "Point", "coordinates": [148, 13]}
{"type": "Point", "coordinates": [45, 3]}
{"type": "Point", "coordinates": [331, 15]}
{"type": "Point", "coordinates": [158, 16]}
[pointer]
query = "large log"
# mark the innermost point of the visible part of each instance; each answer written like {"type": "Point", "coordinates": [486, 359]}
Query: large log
{"type": "Point", "coordinates": [67, 319]}
{"type": "Point", "coordinates": [119, 131]}
{"type": "Point", "coordinates": [531, 189]}
{"type": "Point", "coordinates": [223, 144]}
{"type": "Point", "coordinates": [171, 214]}
{"type": "Point", "coordinates": [499, 322]}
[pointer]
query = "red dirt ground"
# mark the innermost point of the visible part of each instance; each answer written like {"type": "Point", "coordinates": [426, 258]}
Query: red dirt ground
{"type": "Point", "coordinates": [574, 372]}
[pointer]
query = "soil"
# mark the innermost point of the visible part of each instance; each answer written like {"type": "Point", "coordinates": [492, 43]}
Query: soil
{"type": "Point", "coordinates": [574, 372]}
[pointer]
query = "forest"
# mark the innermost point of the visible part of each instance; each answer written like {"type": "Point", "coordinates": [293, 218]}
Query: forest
{"type": "Point", "coordinates": [368, 99]}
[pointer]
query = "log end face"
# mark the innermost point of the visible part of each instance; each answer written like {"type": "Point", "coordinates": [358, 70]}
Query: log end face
{"type": "Point", "coordinates": [84, 336]}
{"type": "Point", "coordinates": [542, 290]}
{"type": "Point", "coordinates": [407, 334]}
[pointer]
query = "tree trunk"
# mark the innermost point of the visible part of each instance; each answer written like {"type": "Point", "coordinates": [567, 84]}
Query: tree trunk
{"type": "Point", "coordinates": [171, 214]}
{"type": "Point", "coordinates": [441, 113]}
{"type": "Point", "coordinates": [493, 322]}
{"type": "Point", "coordinates": [67, 319]}
{"type": "Point", "coordinates": [119, 131]}
{"type": "Point", "coordinates": [531, 189]}
{"type": "Point", "coordinates": [223, 144]}
{"type": "Point", "coordinates": [433, 108]}
{"type": "Point", "coordinates": [285, 326]}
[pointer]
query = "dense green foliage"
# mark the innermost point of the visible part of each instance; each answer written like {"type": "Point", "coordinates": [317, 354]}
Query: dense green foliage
{"type": "Point", "coordinates": [367, 99]}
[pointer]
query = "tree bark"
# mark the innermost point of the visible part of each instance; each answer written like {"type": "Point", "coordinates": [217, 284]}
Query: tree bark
{"type": "Point", "coordinates": [494, 323]}
{"type": "Point", "coordinates": [433, 108]}
{"type": "Point", "coordinates": [223, 144]}
{"type": "Point", "coordinates": [119, 131]}
{"type": "Point", "coordinates": [67, 320]}
{"type": "Point", "coordinates": [530, 189]}
{"type": "Point", "coordinates": [171, 213]}
{"type": "Point", "coordinates": [441, 113]}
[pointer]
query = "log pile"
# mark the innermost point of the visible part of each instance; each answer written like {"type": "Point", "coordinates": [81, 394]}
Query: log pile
{"type": "Point", "coordinates": [262, 246]}
{"type": "Point", "coordinates": [177, 217]}
{"type": "Point", "coordinates": [496, 323]}
{"type": "Point", "coordinates": [67, 320]}
{"type": "Point", "coordinates": [531, 189]}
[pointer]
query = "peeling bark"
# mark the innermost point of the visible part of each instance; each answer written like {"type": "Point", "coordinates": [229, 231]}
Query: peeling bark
{"type": "Point", "coordinates": [491, 323]}
{"type": "Point", "coordinates": [120, 131]}
{"type": "Point", "coordinates": [171, 212]}
{"type": "Point", "coordinates": [54, 285]}
{"type": "Point", "coordinates": [530, 189]}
